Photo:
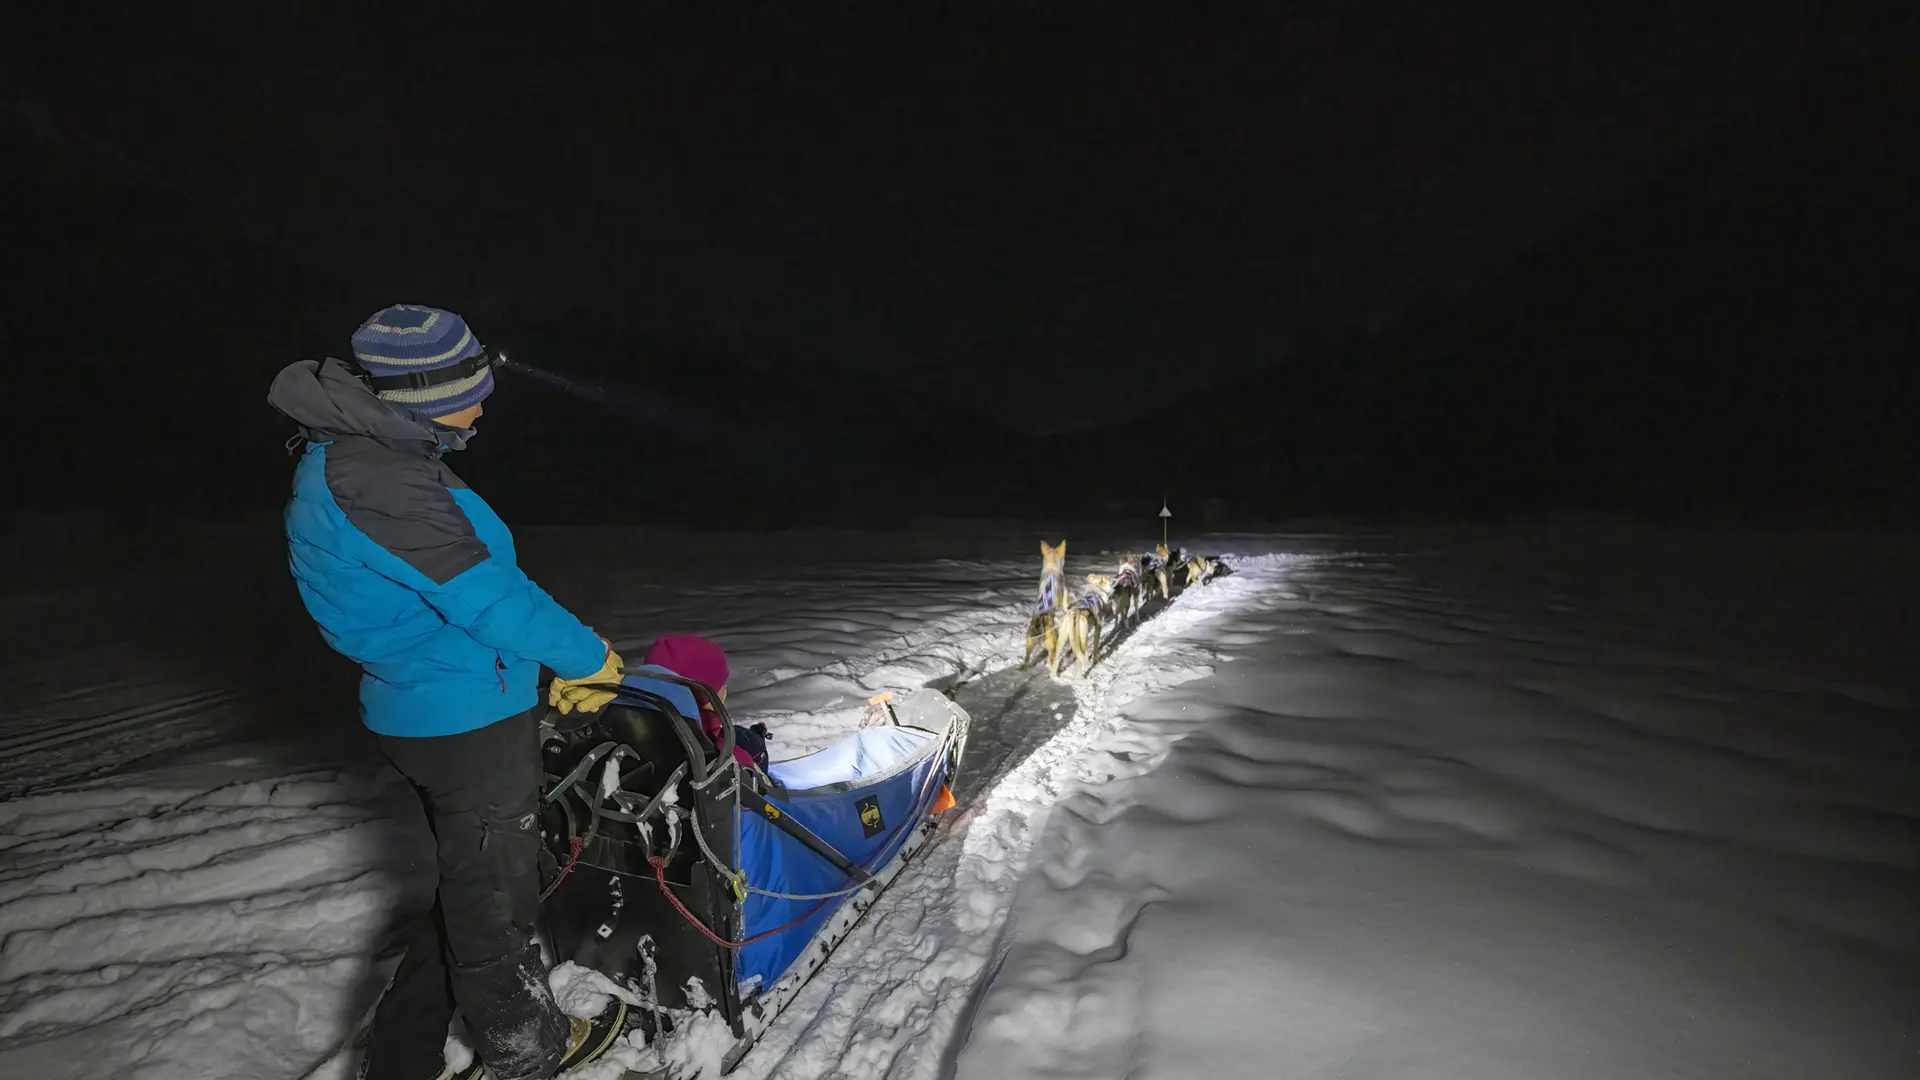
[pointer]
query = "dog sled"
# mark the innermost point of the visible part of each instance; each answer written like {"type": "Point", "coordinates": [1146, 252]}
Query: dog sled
{"type": "Point", "coordinates": [712, 890]}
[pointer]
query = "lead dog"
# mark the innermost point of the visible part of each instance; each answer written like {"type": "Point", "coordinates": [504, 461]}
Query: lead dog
{"type": "Point", "coordinates": [1200, 569]}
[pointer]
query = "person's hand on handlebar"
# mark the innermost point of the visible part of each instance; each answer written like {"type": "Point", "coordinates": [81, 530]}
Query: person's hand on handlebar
{"type": "Point", "coordinates": [590, 694]}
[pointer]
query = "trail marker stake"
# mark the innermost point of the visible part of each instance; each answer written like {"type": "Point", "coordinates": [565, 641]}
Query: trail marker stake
{"type": "Point", "coordinates": [1164, 515]}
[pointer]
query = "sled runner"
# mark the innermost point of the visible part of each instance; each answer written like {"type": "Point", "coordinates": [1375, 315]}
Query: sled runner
{"type": "Point", "coordinates": [707, 887]}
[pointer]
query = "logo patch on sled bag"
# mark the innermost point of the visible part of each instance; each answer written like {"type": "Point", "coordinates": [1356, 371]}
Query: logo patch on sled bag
{"type": "Point", "coordinates": [870, 822]}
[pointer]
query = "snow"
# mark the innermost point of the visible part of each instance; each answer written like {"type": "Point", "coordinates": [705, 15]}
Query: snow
{"type": "Point", "coordinates": [1407, 831]}
{"type": "Point", "coordinates": [1443, 804]}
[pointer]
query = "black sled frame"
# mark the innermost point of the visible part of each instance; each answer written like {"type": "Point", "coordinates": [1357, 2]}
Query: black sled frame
{"type": "Point", "coordinates": [667, 817]}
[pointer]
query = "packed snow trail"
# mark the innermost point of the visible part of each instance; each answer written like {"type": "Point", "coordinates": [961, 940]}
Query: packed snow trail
{"type": "Point", "coordinates": [1410, 832]}
{"type": "Point", "coordinates": [889, 1000]}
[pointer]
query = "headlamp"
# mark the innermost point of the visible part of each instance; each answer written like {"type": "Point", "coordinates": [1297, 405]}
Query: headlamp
{"type": "Point", "coordinates": [421, 380]}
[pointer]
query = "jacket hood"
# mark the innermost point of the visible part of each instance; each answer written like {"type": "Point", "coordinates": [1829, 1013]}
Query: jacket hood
{"type": "Point", "coordinates": [328, 402]}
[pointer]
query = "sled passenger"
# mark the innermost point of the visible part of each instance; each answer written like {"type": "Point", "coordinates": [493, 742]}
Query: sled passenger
{"type": "Point", "coordinates": [693, 657]}
{"type": "Point", "coordinates": [408, 572]}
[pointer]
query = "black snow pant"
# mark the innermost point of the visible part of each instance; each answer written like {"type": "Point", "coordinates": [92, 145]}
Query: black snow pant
{"type": "Point", "coordinates": [474, 949]}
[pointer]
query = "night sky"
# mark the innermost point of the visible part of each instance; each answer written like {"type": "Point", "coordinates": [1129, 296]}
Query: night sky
{"type": "Point", "coordinates": [1054, 221]}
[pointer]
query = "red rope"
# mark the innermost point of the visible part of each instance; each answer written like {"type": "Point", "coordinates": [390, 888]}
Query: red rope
{"type": "Point", "coordinates": [660, 875]}
{"type": "Point", "coordinates": [573, 859]}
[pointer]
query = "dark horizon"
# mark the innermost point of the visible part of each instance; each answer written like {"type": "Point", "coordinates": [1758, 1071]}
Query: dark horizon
{"type": "Point", "coordinates": [1007, 265]}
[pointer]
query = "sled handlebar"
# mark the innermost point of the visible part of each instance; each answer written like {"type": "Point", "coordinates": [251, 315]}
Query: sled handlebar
{"type": "Point", "coordinates": [702, 694]}
{"type": "Point", "coordinates": [685, 728]}
{"type": "Point", "coordinates": [689, 730]}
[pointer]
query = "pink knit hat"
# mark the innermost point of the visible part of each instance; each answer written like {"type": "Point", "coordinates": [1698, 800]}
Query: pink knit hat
{"type": "Point", "coordinates": [690, 657]}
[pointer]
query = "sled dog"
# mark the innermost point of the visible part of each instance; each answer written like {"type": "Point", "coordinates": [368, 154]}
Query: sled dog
{"type": "Point", "coordinates": [1129, 588]}
{"type": "Point", "coordinates": [1160, 568]}
{"type": "Point", "coordinates": [1200, 570]}
{"type": "Point", "coordinates": [1080, 630]}
{"type": "Point", "coordinates": [1043, 621]}
{"type": "Point", "coordinates": [1101, 587]}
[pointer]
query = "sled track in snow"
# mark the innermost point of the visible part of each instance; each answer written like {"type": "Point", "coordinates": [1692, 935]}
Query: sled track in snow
{"type": "Point", "coordinates": [120, 721]}
{"type": "Point", "coordinates": [899, 988]}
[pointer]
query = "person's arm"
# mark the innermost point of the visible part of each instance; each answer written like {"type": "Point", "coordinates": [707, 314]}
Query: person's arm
{"type": "Point", "coordinates": [417, 535]}
{"type": "Point", "coordinates": [502, 607]}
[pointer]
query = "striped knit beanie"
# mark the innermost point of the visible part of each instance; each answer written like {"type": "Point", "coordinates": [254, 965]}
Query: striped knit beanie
{"type": "Point", "coordinates": [405, 345]}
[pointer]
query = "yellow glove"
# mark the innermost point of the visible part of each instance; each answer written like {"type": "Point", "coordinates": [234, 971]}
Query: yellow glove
{"type": "Point", "coordinates": [582, 694]}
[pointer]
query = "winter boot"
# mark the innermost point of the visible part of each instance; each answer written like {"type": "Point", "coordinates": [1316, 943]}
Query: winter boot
{"type": "Point", "coordinates": [514, 1024]}
{"type": "Point", "coordinates": [587, 1040]}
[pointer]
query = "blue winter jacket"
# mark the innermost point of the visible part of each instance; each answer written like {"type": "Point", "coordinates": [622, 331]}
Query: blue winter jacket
{"type": "Point", "coordinates": [409, 572]}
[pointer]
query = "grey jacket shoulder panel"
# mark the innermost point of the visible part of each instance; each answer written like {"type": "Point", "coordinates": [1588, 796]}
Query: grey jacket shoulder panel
{"type": "Point", "coordinates": [403, 501]}
{"type": "Point", "coordinates": [383, 468]}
